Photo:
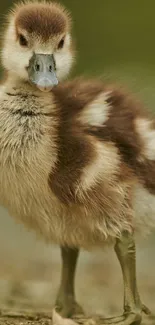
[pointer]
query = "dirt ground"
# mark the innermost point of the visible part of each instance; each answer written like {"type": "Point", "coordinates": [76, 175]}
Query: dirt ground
{"type": "Point", "coordinates": [28, 287]}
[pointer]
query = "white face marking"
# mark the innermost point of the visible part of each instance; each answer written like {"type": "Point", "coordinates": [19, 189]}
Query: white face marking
{"type": "Point", "coordinates": [64, 59]}
{"type": "Point", "coordinates": [64, 63]}
{"type": "Point", "coordinates": [14, 57]}
{"type": "Point", "coordinates": [96, 113]}
{"type": "Point", "coordinates": [147, 134]}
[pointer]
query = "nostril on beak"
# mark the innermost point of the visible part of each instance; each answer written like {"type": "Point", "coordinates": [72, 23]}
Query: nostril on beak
{"type": "Point", "coordinates": [50, 68]}
{"type": "Point", "coordinates": [37, 67]}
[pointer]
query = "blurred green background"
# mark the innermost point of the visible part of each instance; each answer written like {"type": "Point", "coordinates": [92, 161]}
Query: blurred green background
{"type": "Point", "coordinates": [115, 39]}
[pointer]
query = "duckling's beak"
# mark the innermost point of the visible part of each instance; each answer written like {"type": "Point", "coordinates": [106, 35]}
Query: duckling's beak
{"type": "Point", "coordinates": [41, 71]}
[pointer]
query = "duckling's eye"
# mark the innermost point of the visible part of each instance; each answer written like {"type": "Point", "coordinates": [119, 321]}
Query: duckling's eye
{"type": "Point", "coordinates": [61, 44]}
{"type": "Point", "coordinates": [22, 40]}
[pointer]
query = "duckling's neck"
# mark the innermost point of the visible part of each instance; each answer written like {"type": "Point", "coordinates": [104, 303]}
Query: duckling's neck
{"type": "Point", "coordinates": [27, 121]}
{"type": "Point", "coordinates": [12, 83]}
{"type": "Point", "coordinates": [21, 93]}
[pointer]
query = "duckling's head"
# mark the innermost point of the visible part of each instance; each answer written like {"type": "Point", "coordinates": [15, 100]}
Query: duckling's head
{"type": "Point", "coordinates": [37, 43]}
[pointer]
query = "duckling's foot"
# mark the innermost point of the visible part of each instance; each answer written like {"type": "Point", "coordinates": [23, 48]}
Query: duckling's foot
{"type": "Point", "coordinates": [133, 318]}
{"type": "Point", "coordinates": [126, 319]}
{"type": "Point", "coordinates": [68, 307]}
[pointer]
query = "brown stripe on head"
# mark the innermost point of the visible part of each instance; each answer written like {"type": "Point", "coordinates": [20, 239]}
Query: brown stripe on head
{"type": "Point", "coordinates": [43, 19]}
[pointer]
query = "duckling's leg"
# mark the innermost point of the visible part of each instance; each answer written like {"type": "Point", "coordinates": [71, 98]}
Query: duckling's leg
{"type": "Point", "coordinates": [65, 303]}
{"type": "Point", "coordinates": [126, 252]}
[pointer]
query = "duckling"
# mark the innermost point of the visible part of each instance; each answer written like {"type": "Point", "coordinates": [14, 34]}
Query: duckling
{"type": "Point", "coordinates": [77, 162]}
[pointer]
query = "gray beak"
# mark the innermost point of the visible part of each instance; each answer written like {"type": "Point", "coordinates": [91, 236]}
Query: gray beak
{"type": "Point", "coordinates": [41, 71]}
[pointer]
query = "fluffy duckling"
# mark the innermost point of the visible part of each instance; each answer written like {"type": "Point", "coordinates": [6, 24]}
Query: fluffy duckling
{"type": "Point", "coordinates": [77, 163]}
{"type": "Point", "coordinates": [39, 31]}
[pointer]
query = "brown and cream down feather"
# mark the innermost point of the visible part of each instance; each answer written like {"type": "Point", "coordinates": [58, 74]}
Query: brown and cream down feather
{"type": "Point", "coordinates": [77, 164]}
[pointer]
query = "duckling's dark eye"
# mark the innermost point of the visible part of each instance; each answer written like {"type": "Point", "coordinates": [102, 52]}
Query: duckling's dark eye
{"type": "Point", "coordinates": [22, 40]}
{"type": "Point", "coordinates": [61, 44]}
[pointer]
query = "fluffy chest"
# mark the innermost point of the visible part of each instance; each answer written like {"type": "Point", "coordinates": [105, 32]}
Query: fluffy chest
{"type": "Point", "coordinates": [25, 156]}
